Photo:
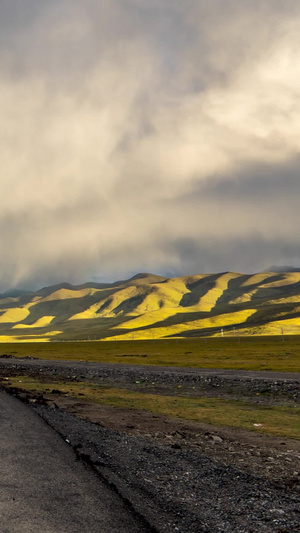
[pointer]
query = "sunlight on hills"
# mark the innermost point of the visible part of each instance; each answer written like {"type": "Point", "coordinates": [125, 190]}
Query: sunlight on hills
{"type": "Point", "coordinates": [287, 279]}
{"type": "Point", "coordinates": [166, 295]}
{"type": "Point", "coordinates": [189, 280]}
{"type": "Point", "coordinates": [40, 323]}
{"type": "Point", "coordinates": [220, 321]}
{"type": "Point", "coordinates": [15, 314]}
{"type": "Point", "coordinates": [286, 300]}
{"type": "Point", "coordinates": [108, 306]}
{"type": "Point", "coordinates": [43, 337]}
{"type": "Point", "coordinates": [208, 301]}
{"type": "Point", "coordinates": [277, 327]}
{"type": "Point", "coordinates": [65, 294]}
{"type": "Point", "coordinates": [148, 306]}
{"type": "Point", "coordinates": [149, 318]}
{"type": "Point", "coordinates": [29, 338]}
{"type": "Point", "coordinates": [136, 300]}
{"type": "Point", "coordinates": [244, 298]}
{"type": "Point", "coordinates": [91, 312]}
{"type": "Point", "coordinates": [141, 279]}
{"type": "Point", "coordinates": [256, 279]}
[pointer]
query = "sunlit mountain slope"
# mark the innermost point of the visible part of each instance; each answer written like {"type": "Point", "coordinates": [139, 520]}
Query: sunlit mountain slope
{"type": "Point", "coordinates": [150, 306]}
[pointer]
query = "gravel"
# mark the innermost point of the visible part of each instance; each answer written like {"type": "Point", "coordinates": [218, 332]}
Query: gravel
{"type": "Point", "coordinates": [178, 487]}
{"type": "Point", "coordinates": [232, 382]}
{"type": "Point", "coordinates": [175, 489]}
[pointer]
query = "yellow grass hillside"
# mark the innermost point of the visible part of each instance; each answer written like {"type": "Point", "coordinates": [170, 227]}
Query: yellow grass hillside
{"type": "Point", "coordinates": [151, 307]}
{"type": "Point", "coordinates": [40, 323]}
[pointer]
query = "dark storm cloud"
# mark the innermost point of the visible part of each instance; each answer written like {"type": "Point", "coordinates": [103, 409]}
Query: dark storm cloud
{"type": "Point", "coordinates": [195, 257]}
{"type": "Point", "coordinates": [256, 182]}
{"type": "Point", "coordinates": [157, 136]}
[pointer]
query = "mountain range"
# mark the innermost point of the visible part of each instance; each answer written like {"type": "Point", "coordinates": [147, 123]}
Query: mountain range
{"type": "Point", "coordinates": [148, 306]}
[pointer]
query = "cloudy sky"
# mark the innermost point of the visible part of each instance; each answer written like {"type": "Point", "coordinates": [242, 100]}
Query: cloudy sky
{"type": "Point", "coordinates": [148, 135]}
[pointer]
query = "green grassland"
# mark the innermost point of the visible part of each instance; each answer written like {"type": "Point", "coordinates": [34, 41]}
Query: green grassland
{"type": "Point", "coordinates": [246, 353]}
{"type": "Point", "coordinates": [272, 420]}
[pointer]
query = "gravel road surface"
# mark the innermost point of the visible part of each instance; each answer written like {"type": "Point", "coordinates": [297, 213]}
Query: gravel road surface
{"type": "Point", "coordinates": [160, 379]}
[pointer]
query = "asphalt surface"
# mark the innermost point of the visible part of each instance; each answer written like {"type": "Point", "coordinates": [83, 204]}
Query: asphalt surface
{"type": "Point", "coordinates": [44, 488]}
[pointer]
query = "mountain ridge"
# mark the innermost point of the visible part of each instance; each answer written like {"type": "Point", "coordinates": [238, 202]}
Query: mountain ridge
{"type": "Point", "coordinates": [152, 306]}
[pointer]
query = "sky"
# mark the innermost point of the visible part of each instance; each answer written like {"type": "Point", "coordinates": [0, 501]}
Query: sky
{"type": "Point", "coordinates": [154, 136]}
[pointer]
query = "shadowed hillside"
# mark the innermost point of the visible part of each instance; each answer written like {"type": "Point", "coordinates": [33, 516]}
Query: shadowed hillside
{"type": "Point", "coordinates": [149, 306]}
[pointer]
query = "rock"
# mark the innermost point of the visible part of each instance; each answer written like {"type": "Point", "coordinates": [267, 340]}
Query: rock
{"type": "Point", "coordinates": [216, 439]}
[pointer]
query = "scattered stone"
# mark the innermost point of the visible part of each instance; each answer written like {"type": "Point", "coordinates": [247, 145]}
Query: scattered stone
{"type": "Point", "coordinates": [216, 439]}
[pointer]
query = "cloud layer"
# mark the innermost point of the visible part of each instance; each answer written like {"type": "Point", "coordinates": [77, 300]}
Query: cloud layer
{"type": "Point", "coordinates": [147, 136]}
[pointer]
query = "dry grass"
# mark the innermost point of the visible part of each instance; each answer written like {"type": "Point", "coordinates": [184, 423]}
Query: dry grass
{"type": "Point", "coordinates": [251, 353]}
{"type": "Point", "coordinates": [40, 323]}
{"type": "Point", "coordinates": [274, 420]}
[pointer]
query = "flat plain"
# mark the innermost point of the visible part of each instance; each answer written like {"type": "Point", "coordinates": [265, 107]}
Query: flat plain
{"type": "Point", "coordinates": [267, 353]}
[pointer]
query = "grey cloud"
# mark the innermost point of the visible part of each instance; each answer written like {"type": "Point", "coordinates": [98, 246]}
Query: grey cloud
{"type": "Point", "coordinates": [193, 42]}
{"type": "Point", "coordinates": [235, 255]}
{"type": "Point", "coordinates": [157, 136]}
{"type": "Point", "coordinates": [256, 182]}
